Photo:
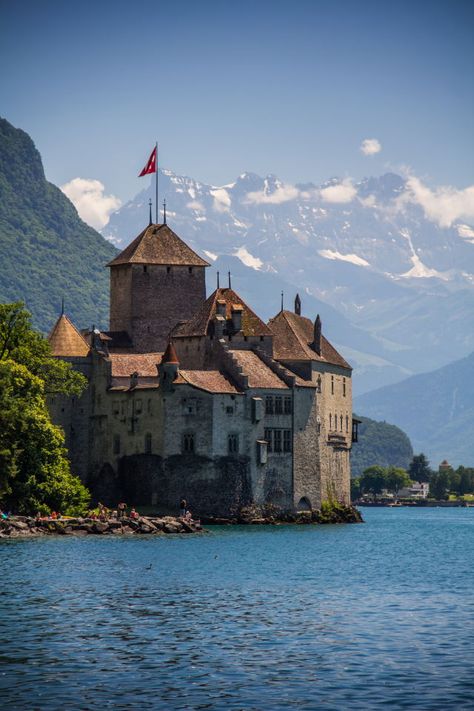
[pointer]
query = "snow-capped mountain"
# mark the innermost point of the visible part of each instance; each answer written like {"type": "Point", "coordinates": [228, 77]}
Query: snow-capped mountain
{"type": "Point", "coordinates": [366, 249]}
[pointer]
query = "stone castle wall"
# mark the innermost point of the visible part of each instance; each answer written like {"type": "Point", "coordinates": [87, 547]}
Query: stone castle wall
{"type": "Point", "coordinates": [147, 301]}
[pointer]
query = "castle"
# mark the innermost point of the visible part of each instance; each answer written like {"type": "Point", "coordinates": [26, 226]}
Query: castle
{"type": "Point", "coordinates": [199, 398]}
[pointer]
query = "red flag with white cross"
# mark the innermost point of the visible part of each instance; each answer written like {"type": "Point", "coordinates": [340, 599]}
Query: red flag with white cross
{"type": "Point", "coordinates": [151, 164]}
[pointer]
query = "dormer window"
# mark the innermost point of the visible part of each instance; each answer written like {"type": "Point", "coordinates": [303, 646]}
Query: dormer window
{"type": "Point", "coordinates": [168, 270]}
{"type": "Point", "coordinates": [190, 270]}
{"type": "Point", "coordinates": [145, 268]}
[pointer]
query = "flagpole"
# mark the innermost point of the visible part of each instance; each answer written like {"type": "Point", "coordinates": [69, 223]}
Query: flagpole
{"type": "Point", "coordinates": [156, 182]}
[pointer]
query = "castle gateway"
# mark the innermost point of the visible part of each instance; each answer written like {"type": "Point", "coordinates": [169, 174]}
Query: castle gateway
{"type": "Point", "coordinates": [199, 398]}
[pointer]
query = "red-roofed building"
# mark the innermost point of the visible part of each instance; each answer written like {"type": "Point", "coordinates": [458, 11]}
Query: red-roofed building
{"type": "Point", "coordinates": [199, 398]}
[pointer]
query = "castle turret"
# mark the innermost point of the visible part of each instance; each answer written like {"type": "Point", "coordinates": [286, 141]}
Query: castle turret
{"type": "Point", "coordinates": [169, 366]}
{"type": "Point", "coordinates": [297, 305]}
{"type": "Point", "coordinates": [155, 282]}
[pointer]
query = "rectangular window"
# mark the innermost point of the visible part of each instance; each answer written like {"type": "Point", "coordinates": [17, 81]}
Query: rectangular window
{"type": "Point", "coordinates": [287, 440]}
{"type": "Point", "coordinates": [330, 421]}
{"type": "Point", "coordinates": [229, 409]}
{"type": "Point", "coordinates": [332, 384]}
{"type": "Point", "coordinates": [347, 423]}
{"type": "Point", "coordinates": [116, 444]}
{"type": "Point", "coordinates": [269, 405]}
{"type": "Point", "coordinates": [268, 438]}
{"type": "Point", "coordinates": [188, 443]}
{"type": "Point", "coordinates": [277, 440]}
{"type": "Point", "coordinates": [262, 449]}
{"type": "Point", "coordinates": [233, 444]}
{"type": "Point", "coordinates": [288, 404]}
{"type": "Point", "coordinates": [148, 443]}
{"type": "Point", "coordinates": [138, 406]}
{"type": "Point", "coordinates": [278, 405]}
{"type": "Point", "coordinates": [344, 387]}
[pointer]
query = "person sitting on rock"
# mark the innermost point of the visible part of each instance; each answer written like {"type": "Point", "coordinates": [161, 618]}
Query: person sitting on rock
{"type": "Point", "coordinates": [53, 515]}
{"type": "Point", "coordinates": [182, 508]}
{"type": "Point", "coordinates": [134, 514]}
{"type": "Point", "coordinates": [121, 510]}
{"type": "Point", "coordinates": [188, 517]}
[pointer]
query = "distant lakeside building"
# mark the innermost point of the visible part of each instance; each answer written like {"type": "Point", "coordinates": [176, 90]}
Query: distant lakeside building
{"type": "Point", "coordinates": [199, 398]}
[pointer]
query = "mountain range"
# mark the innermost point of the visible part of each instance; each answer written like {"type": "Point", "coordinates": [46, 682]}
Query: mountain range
{"type": "Point", "coordinates": [435, 409]}
{"type": "Point", "coordinates": [47, 252]}
{"type": "Point", "coordinates": [394, 288]}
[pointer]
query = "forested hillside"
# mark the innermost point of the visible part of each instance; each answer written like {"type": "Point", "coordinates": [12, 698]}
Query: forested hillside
{"type": "Point", "coordinates": [379, 443]}
{"type": "Point", "coordinates": [47, 251]}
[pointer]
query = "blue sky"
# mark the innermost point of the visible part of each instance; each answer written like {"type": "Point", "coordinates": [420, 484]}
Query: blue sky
{"type": "Point", "coordinates": [290, 88]}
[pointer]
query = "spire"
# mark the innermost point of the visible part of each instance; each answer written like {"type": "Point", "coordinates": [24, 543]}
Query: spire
{"type": "Point", "coordinates": [151, 219]}
{"type": "Point", "coordinates": [170, 356]}
{"type": "Point", "coordinates": [230, 283]}
{"type": "Point", "coordinates": [164, 211]}
{"type": "Point", "coordinates": [317, 335]}
{"type": "Point", "coordinates": [282, 295]}
{"type": "Point", "coordinates": [297, 305]}
{"type": "Point", "coordinates": [218, 280]}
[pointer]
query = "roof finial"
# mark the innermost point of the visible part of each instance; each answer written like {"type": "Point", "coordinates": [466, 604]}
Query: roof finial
{"type": "Point", "coordinates": [217, 279]}
{"type": "Point", "coordinates": [281, 301]}
{"type": "Point", "coordinates": [149, 204]}
{"type": "Point", "coordinates": [297, 305]}
{"type": "Point", "coordinates": [230, 283]}
{"type": "Point", "coordinates": [62, 306]}
{"type": "Point", "coordinates": [164, 211]}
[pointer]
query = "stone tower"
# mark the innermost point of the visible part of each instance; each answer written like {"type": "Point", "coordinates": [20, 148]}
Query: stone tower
{"type": "Point", "coordinates": [154, 283]}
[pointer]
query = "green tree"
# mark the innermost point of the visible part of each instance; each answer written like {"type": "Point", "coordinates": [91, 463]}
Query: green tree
{"type": "Point", "coordinates": [373, 480]}
{"type": "Point", "coordinates": [396, 478]}
{"type": "Point", "coordinates": [21, 344]}
{"type": "Point", "coordinates": [419, 468]}
{"type": "Point", "coordinates": [355, 488]}
{"type": "Point", "coordinates": [466, 480]}
{"type": "Point", "coordinates": [439, 485]}
{"type": "Point", "coordinates": [34, 469]}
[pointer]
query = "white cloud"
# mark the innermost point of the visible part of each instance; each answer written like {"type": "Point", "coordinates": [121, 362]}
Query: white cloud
{"type": "Point", "coordinates": [211, 255]}
{"type": "Point", "coordinates": [248, 259]}
{"type": "Point", "coordinates": [444, 205]}
{"type": "Point", "coordinates": [342, 192]}
{"type": "Point", "coordinates": [222, 199]}
{"type": "Point", "coordinates": [370, 146]}
{"type": "Point", "coordinates": [466, 232]}
{"type": "Point", "coordinates": [87, 196]}
{"type": "Point", "coordinates": [283, 193]}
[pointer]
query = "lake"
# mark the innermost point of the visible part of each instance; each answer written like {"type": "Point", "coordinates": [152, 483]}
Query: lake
{"type": "Point", "coordinates": [369, 616]}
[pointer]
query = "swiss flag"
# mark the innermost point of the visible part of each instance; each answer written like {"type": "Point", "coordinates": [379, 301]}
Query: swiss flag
{"type": "Point", "coordinates": [151, 164]}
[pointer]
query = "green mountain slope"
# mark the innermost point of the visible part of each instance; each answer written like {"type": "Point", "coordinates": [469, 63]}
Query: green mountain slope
{"type": "Point", "coordinates": [379, 443]}
{"type": "Point", "coordinates": [47, 251]}
{"type": "Point", "coordinates": [436, 410]}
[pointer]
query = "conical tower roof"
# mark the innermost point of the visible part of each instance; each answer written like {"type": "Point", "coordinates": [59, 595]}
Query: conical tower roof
{"type": "Point", "coordinates": [65, 339]}
{"type": "Point", "coordinates": [170, 355]}
{"type": "Point", "coordinates": [158, 244]}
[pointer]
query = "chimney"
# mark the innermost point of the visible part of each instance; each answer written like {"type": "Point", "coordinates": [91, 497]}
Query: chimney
{"type": "Point", "coordinates": [317, 335]}
{"type": "Point", "coordinates": [297, 305]}
{"type": "Point", "coordinates": [237, 310]}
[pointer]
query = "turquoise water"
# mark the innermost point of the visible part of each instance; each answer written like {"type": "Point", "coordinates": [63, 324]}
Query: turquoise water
{"type": "Point", "coordinates": [330, 617]}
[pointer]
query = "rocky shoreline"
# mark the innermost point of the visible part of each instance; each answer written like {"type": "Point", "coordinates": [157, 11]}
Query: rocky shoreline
{"type": "Point", "coordinates": [25, 526]}
{"type": "Point", "coordinates": [338, 513]}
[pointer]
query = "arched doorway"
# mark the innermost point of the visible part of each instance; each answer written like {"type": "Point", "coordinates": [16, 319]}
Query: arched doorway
{"type": "Point", "coordinates": [304, 504]}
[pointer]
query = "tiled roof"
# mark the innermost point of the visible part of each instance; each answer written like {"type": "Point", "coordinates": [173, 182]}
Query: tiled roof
{"type": "Point", "coordinates": [124, 364]}
{"type": "Point", "coordinates": [259, 374]}
{"type": "Point", "coordinates": [158, 244]}
{"type": "Point", "coordinates": [210, 380]}
{"type": "Point", "coordinates": [199, 324]}
{"type": "Point", "coordinates": [65, 339]}
{"type": "Point", "coordinates": [293, 336]}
